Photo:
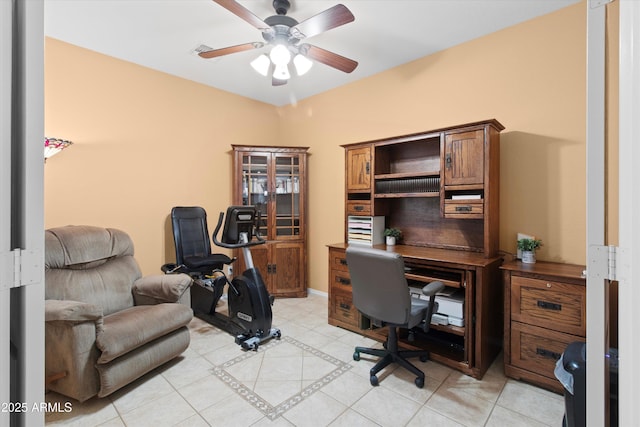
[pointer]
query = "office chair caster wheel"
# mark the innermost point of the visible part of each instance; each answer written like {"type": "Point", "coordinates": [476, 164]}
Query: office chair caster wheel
{"type": "Point", "coordinates": [374, 380]}
{"type": "Point", "coordinates": [356, 356]}
{"type": "Point", "coordinates": [419, 382]}
{"type": "Point", "coordinates": [424, 358]}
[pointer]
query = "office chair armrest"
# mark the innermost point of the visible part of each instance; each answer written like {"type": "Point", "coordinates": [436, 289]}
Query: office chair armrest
{"type": "Point", "coordinates": [433, 288]}
{"type": "Point", "coordinates": [159, 289]}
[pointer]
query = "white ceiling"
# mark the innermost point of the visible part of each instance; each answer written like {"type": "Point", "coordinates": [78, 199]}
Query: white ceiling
{"type": "Point", "coordinates": [162, 35]}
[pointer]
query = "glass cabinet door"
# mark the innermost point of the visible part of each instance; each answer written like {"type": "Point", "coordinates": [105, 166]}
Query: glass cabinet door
{"type": "Point", "coordinates": [255, 186]}
{"type": "Point", "coordinates": [288, 181]}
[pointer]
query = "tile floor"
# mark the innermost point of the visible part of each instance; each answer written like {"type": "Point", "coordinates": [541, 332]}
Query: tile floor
{"type": "Point", "coordinates": [308, 378]}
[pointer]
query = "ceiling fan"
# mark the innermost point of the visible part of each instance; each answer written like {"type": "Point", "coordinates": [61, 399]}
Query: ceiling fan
{"type": "Point", "coordinates": [285, 34]}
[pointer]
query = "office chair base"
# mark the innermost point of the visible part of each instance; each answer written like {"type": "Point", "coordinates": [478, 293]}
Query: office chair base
{"type": "Point", "coordinates": [390, 356]}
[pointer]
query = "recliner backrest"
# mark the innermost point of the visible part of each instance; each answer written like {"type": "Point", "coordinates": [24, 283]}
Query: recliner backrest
{"type": "Point", "coordinates": [90, 264]}
{"type": "Point", "coordinates": [379, 287]}
{"type": "Point", "coordinates": [190, 232]}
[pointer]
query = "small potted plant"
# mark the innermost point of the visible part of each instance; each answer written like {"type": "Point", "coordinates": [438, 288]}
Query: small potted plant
{"type": "Point", "coordinates": [528, 248]}
{"type": "Point", "coordinates": [392, 234]}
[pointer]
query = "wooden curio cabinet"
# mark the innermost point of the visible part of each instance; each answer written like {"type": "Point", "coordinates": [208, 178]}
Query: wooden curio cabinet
{"type": "Point", "coordinates": [274, 180]}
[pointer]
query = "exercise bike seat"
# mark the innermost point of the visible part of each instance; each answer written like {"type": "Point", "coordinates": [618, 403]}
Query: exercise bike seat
{"type": "Point", "coordinates": [206, 263]}
{"type": "Point", "coordinates": [193, 247]}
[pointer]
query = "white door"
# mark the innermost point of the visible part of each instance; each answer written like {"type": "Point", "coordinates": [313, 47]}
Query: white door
{"type": "Point", "coordinates": [21, 212]}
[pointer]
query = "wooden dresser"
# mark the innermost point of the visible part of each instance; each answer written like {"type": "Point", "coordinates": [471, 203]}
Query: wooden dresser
{"type": "Point", "coordinates": [544, 311]}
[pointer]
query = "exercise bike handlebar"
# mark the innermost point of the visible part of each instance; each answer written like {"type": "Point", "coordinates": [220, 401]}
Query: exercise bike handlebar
{"type": "Point", "coordinates": [259, 241]}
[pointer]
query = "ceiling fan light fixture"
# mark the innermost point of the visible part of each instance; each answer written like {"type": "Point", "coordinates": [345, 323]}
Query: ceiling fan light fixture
{"type": "Point", "coordinates": [281, 72]}
{"type": "Point", "coordinates": [302, 64]}
{"type": "Point", "coordinates": [280, 55]}
{"type": "Point", "coordinates": [261, 64]}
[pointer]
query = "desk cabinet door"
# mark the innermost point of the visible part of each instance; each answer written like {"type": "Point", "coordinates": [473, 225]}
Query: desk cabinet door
{"type": "Point", "coordinates": [464, 158]}
{"type": "Point", "coordinates": [359, 169]}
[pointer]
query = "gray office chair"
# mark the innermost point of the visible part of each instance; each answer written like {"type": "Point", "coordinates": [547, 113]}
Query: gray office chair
{"type": "Point", "coordinates": [380, 292]}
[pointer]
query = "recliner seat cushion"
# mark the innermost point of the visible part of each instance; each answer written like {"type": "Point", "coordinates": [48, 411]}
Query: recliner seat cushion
{"type": "Point", "coordinates": [131, 328]}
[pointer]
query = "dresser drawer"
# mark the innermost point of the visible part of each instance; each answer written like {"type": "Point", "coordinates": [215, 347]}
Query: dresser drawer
{"type": "Point", "coordinates": [359, 207]}
{"type": "Point", "coordinates": [338, 260]}
{"type": "Point", "coordinates": [341, 308]}
{"type": "Point", "coordinates": [548, 304]}
{"type": "Point", "coordinates": [537, 349]}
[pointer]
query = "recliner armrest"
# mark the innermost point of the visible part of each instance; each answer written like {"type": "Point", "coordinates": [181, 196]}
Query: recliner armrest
{"type": "Point", "coordinates": [159, 289]}
{"type": "Point", "coordinates": [71, 311]}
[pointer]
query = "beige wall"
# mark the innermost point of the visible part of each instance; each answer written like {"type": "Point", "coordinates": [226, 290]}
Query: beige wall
{"type": "Point", "coordinates": [531, 77]}
{"type": "Point", "coordinates": [146, 141]}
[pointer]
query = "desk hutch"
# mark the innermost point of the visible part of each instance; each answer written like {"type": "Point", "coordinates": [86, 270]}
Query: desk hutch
{"type": "Point", "coordinates": [441, 188]}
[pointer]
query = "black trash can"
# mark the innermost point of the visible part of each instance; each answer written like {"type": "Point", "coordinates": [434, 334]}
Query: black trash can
{"type": "Point", "coordinates": [571, 371]}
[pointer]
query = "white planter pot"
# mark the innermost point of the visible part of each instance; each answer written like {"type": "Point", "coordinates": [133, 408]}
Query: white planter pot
{"type": "Point", "coordinates": [528, 257]}
{"type": "Point", "coordinates": [391, 240]}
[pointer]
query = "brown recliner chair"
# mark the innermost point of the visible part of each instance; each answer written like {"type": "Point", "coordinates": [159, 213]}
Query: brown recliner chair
{"type": "Point", "coordinates": [106, 325]}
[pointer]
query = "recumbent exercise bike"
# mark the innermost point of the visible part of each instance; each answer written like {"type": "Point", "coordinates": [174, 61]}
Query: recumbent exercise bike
{"type": "Point", "coordinates": [248, 301]}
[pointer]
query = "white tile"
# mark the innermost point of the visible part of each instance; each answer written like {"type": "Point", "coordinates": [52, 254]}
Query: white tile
{"type": "Point", "coordinates": [317, 410]}
{"type": "Point", "coordinates": [503, 417]}
{"type": "Point", "coordinates": [348, 388]}
{"type": "Point", "coordinates": [527, 400]}
{"type": "Point", "coordinates": [233, 411]}
{"type": "Point", "coordinates": [205, 392]}
{"type": "Point", "coordinates": [165, 411]}
{"type": "Point", "coordinates": [91, 412]}
{"type": "Point", "coordinates": [141, 391]}
{"type": "Point", "coordinates": [187, 371]}
{"type": "Point", "coordinates": [276, 392]}
{"type": "Point", "coordinates": [351, 418]}
{"type": "Point", "coordinates": [428, 417]}
{"type": "Point", "coordinates": [460, 406]}
{"type": "Point", "coordinates": [278, 368]}
{"type": "Point", "coordinates": [386, 407]}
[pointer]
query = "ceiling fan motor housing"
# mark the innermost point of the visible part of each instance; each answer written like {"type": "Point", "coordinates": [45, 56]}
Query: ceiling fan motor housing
{"type": "Point", "coordinates": [281, 6]}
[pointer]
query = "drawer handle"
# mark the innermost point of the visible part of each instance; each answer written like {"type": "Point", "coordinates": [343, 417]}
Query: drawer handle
{"type": "Point", "coordinates": [548, 353]}
{"type": "Point", "coordinates": [358, 208]}
{"type": "Point", "coordinates": [345, 306]}
{"type": "Point", "coordinates": [343, 261]}
{"type": "Point", "coordinates": [549, 305]}
{"type": "Point", "coordinates": [463, 209]}
{"type": "Point", "coordinates": [343, 280]}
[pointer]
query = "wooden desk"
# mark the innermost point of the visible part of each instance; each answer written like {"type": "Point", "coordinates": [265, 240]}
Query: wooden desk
{"type": "Point", "coordinates": [470, 348]}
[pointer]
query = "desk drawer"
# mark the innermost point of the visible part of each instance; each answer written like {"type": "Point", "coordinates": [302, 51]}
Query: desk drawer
{"type": "Point", "coordinates": [338, 260]}
{"type": "Point", "coordinates": [537, 349]}
{"type": "Point", "coordinates": [340, 278]}
{"type": "Point", "coordinates": [462, 209]}
{"type": "Point", "coordinates": [359, 207]}
{"type": "Point", "coordinates": [341, 308]}
{"type": "Point", "coordinates": [554, 305]}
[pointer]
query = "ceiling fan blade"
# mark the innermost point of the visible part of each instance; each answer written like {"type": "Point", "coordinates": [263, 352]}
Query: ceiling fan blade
{"type": "Point", "coordinates": [328, 58]}
{"type": "Point", "coordinates": [229, 50]}
{"type": "Point", "coordinates": [244, 13]}
{"type": "Point", "coordinates": [331, 18]}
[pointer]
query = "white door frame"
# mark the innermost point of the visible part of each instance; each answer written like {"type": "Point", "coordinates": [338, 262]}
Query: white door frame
{"type": "Point", "coordinates": [22, 211]}
{"type": "Point", "coordinates": [597, 262]}
{"type": "Point", "coordinates": [629, 176]}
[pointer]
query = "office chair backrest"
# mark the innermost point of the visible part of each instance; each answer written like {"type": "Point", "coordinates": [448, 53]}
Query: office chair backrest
{"type": "Point", "coordinates": [380, 290]}
{"type": "Point", "coordinates": [190, 232]}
